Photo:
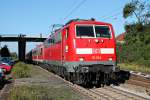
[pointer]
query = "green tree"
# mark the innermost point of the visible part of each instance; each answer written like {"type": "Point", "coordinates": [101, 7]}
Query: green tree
{"type": "Point", "coordinates": [138, 9]}
{"type": "Point", "coordinates": [5, 51]}
{"type": "Point", "coordinates": [136, 48]}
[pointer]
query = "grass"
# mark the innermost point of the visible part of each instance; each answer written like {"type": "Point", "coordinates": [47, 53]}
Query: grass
{"type": "Point", "coordinates": [38, 92]}
{"type": "Point", "coordinates": [134, 67]}
{"type": "Point", "coordinates": [22, 70]}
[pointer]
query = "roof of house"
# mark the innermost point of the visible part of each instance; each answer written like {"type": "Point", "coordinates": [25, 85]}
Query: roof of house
{"type": "Point", "coordinates": [120, 37]}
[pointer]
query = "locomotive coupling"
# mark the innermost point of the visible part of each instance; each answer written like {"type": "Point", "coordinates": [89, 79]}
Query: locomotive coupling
{"type": "Point", "coordinates": [121, 76]}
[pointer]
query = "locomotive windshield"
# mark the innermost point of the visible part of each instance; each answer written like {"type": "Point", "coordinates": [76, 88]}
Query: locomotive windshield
{"type": "Point", "coordinates": [102, 31]}
{"type": "Point", "coordinates": [93, 31]}
{"type": "Point", "coordinates": [85, 31]}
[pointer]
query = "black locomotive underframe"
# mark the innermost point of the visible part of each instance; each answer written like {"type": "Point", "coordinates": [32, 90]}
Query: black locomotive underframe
{"type": "Point", "coordinates": [92, 77]}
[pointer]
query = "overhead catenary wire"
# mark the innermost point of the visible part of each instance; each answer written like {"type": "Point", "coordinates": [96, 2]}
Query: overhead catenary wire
{"type": "Point", "coordinates": [112, 14]}
{"type": "Point", "coordinates": [72, 5]}
{"type": "Point", "coordinates": [115, 14]}
{"type": "Point", "coordinates": [75, 8]}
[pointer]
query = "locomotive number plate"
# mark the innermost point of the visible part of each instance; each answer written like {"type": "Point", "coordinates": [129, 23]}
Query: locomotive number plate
{"type": "Point", "coordinates": [96, 57]}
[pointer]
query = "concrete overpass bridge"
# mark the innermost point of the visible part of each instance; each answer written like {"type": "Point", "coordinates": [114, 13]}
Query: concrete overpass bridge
{"type": "Point", "coordinates": [21, 39]}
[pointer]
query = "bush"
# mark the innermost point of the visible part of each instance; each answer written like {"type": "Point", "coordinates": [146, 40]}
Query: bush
{"type": "Point", "coordinates": [136, 48]}
{"type": "Point", "coordinates": [22, 70]}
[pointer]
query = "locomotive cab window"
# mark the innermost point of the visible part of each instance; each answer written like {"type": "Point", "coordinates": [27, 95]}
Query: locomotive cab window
{"type": "Point", "coordinates": [93, 31]}
{"type": "Point", "coordinates": [58, 37]}
{"type": "Point", "coordinates": [84, 31]}
{"type": "Point", "coordinates": [102, 31]}
{"type": "Point", "coordinates": [67, 32]}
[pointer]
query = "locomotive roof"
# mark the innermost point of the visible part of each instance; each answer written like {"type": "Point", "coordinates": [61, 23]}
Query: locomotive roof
{"type": "Point", "coordinates": [92, 20]}
{"type": "Point", "coordinates": [80, 20]}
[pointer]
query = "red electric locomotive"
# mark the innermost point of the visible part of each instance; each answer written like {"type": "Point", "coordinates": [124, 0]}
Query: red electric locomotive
{"type": "Point", "coordinates": [82, 51]}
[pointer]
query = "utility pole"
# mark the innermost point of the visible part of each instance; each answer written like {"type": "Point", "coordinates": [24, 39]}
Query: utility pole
{"type": "Point", "coordinates": [40, 35]}
{"type": "Point", "coordinates": [0, 42]}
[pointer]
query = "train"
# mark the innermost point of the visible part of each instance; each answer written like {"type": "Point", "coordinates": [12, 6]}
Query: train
{"type": "Point", "coordinates": [81, 51]}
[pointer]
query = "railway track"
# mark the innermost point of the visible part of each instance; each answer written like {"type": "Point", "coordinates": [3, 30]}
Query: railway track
{"type": "Point", "coordinates": [115, 93]}
{"type": "Point", "coordinates": [139, 81]}
{"type": "Point", "coordinates": [104, 93]}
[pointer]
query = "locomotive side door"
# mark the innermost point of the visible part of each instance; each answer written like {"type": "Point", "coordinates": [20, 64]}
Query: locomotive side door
{"type": "Point", "coordinates": [64, 41]}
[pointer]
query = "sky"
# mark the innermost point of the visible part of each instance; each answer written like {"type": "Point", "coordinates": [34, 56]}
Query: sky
{"type": "Point", "coordinates": [33, 17]}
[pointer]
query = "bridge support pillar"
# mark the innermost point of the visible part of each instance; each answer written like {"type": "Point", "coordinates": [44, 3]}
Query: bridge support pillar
{"type": "Point", "coordinates": [21, 48]}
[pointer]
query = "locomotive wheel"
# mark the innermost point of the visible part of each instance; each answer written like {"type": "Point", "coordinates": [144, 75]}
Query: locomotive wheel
{"type": "Point", "coordinates": [70, 77]}
{"type": "Point", "coordinates": [67, 76]}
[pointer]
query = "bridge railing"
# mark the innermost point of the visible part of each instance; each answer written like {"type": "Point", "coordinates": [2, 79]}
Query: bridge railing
{"type": "Point", "coordinates": [40, 35]}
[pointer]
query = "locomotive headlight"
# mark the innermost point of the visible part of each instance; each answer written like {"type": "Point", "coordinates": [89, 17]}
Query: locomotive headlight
{"type": "Point", "coordinates": [110, 59]}
{"type": "Point", "coordinates": [96, 40]}
{"type": "Point", "coordinates": [81, 59]}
